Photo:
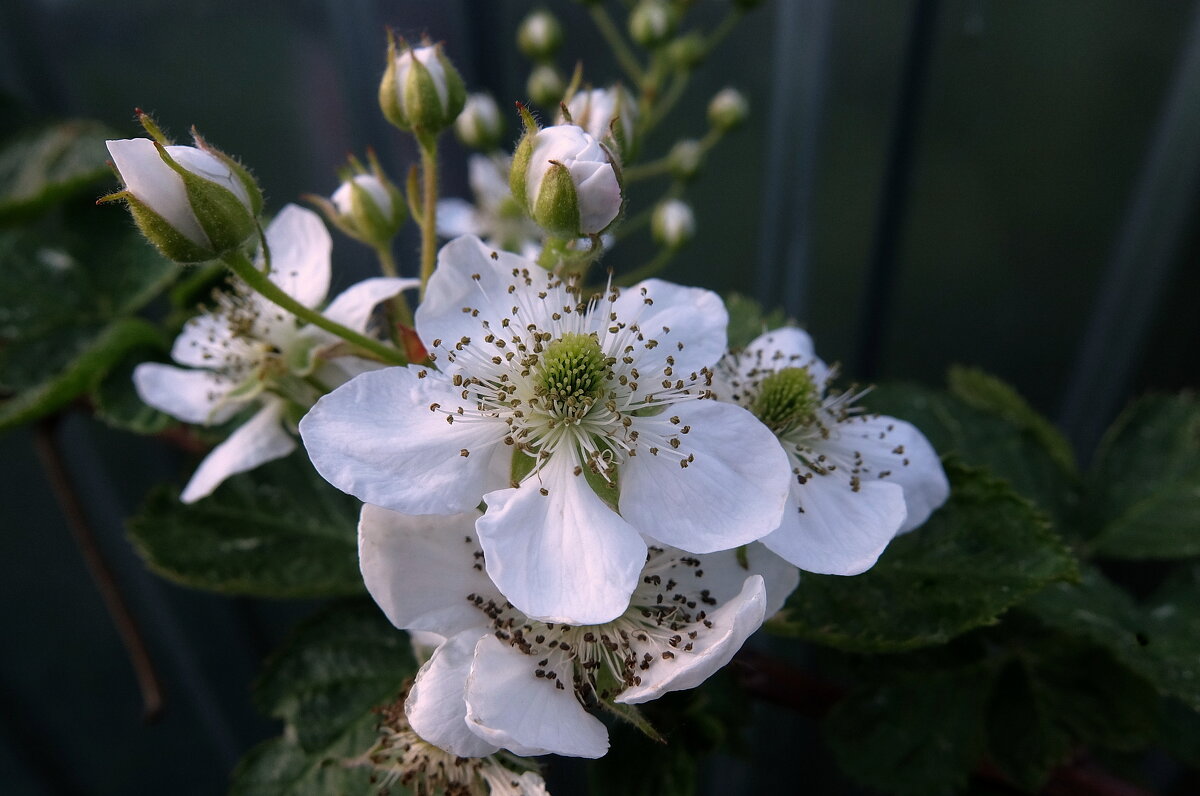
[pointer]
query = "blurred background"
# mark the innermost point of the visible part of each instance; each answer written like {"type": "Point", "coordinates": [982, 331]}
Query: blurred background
{"type": "Point", "coordinates": [1011, 185]}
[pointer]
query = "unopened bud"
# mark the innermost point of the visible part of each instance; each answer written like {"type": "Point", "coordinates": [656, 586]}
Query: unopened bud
{"type": "Point", "coordinates": [652, 22]}
{"type": "Point", "coordinates": [480, 126]}
{"type": "Point", "coordinates": [545, 86]}
{"type": "Point", "coordinates": [597, 110]}
{"type": "Point", "coordinates": [194, 203]}
{"type": "Point", "coordinates": [727, 109]}
{"type": "Point", "coordinates": [687, 51]}
{"type": "Point", "coordinates": [566, 180]}
{"type": "Point", "coordinates": [369, 209]}
{"type": "Point", "coordinates": [421, 90]}
{"type": "Point", "coordinates": [673, 223]}
{"type": "Point", "coordinates": [685, 158]}
{"type": "Point", "coordinates": [539, 35]}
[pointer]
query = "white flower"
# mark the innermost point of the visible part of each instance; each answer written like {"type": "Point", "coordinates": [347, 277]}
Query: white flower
{"type": "Point", "coordinates": [400, 755]}
{"type": "Point", "coordinates": [565, 179]}
{"type": "Point", "coordinates": [164, 186]}
{"type": "Point", "coordinates": [504, 680]}
{"type": "Point", "coordinates": [597, 109]}
{"type": "Point", "coordinates": [554, 410]}
{"type": "Point", "coordinates": [496, 216]}
{"type": "Point", "coordinates": [249, 352]}
{"type": "Point", "coordinates": [857, 479]}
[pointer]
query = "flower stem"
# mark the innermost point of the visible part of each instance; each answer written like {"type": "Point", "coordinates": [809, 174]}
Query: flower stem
{"type": "Point", "coordinates": [429, 177]}
{"type": "Point", "coordinates": [621, 51]}
{"type": "Point", "coordinates": [398, 309]}
{"type": "Point", "coordinates": [656, 264]}
{"type": "Point", "coordinates": [241, 265]}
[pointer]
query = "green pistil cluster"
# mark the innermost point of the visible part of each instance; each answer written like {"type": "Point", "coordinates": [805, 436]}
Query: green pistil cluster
{"type": "Point", "coordinates": [786, 399]}
{"type": "Point", "coordinates": [573, 371]}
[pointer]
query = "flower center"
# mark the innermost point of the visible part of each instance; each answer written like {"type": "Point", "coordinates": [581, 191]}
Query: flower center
{"type": "Point", "coordinates": [572, 373]}
{"type": "Point", "coordinates": [786, 399]}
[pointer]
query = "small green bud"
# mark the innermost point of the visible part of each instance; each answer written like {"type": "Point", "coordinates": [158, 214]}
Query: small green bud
{"type": "Point", "coordinates": [540, 35]}
{"type": "Point", "coordinates": [193, 203]}
{"type": "Point", "coordinates": [546, 86]}
{"type": "Point", "coordinates": [727, 109]}
{"type": "Point", "coordinates": [685, 158]}
{"type": "Point", "coordinates": [421, 91]}
{"type": "Point", "coordinates": [672, 224]}
{"type": "Point", "coordinates": [480, 126]}
{"type": "Point", "coordinates": [687, 51]}
{"type": "Point", "coordinates": [652, 22]}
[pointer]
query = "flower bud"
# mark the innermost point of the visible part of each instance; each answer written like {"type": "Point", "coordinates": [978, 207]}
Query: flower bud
{"type": "Point", "coordinates": [193, 203]}
{"type": "Point", "coordinates": [597, 110]}
{"type": "Point", "coordinates": [687, 51]}
{"type": "Point", "coordinates": [727, 109]}
{"type": "Point", "coordinates": [421, 90]}
{"type": "Point", "coordinates": [685, 158]}
{"type": "Point", "coordinates": [652, 22]}
{"type": "Point", "coordinates": [545, 86]}
{"type": "Point", "coordinates": [566, 180]}
{"type": "Point", "coordinates": [370, 209]}
{"type": "Point", "coordinates": [539, 35]}
{"type": "Point", "coordinates": [480, 126]}
{"type": "Point", "coordinates": [672, 223]}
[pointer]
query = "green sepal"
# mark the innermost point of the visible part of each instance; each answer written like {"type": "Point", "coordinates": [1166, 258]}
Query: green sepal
{"type": "Point", "coordinates": [522, 465]}
{"type": "Point", "coordinates": [520, 163]}
{"type": "Point", "coordinates": [456, 90]}
{"type": "Point", "coordinates": [633, 716]}
{"type": "Point", "coordinates": [389, 90]}
{"type": "Point", "coordinates": [368, 218]}
{"type": "Point", "coordinates": [241, 172]}
{"type": "Point", "coordinates": [422, 104]}
{"type": "Point", "coordinates": [225, 220]}
{"type": "Point", "coordinates": [556, 209]}
{"type": "Point", "coordinates": [173, 244]}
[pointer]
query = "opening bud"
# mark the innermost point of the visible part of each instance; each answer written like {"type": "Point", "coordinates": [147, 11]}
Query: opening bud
{"type": "Point", "coordinates": [727, 109]}
{"type": "Point", "coordinates": [607, 114]}
{"type": "Point", "coordinates": [546, 86]}
{"type": "Point", "coordinates": [421, 91]}
{"type": "Point", "coordinates": [566, 180]}
{"type": "Point", "coordinates": [480, 125]}
{"type": "Point", "coordinates": [194, 203]}
{"type": "Point", "coordinates": [672, 224]}
{"type": "Point", "coordinates": [652, 22]}
{"type": "Point", "coordinates": [685, 158]}
{"type": "Point", "coordinates": [540, 35]}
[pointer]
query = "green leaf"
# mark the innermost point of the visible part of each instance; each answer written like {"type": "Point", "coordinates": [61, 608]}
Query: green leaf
{"type": "Point", "coordinates": [277, 531]}
{"type": "Point", "coordinates": [64, 314]}
{"type": "Point", "coordinates": [117, 402]}
{"type": "Point", "coordinates": [88, 355]}
{"type": "Point", "coordinates": [1159, 640]}
{"type": "Point", "coordinates": [44, 166]}
{"type": "Point", "coordinates": [918, 733]}
{"type": "Point", "coordinates": [336, 668]}
{"type": "Point", "coordinates": [1145, 484]}
{"type": "Point", "coordinates": [325, 684]}
{"type": "Point", "coordinates": [1024, 741]}
{"type": "Point", "coordinates": [985, 435]}
{"type": "Point", "coordinates": [989, 394]}
{"type": "Point", "coordinates": [748, 319]}
{"type": "Point", "coordinates": [1179, 732]}
{"type": "Point", "coordinates": [980, 554]}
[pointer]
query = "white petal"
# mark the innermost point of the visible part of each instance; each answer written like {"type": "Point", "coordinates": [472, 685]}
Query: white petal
{"type": "Point", "coordinates": [207, 341]}
{"type": "Point", "coordinates": [527, 715]}
{"type": "Point", "coordinates": [564, 556]}
{"type": "Point", "coordinates": [353, 306]}
{"type": "Point", "coordinates": [714, 646]}
{"type": "Point", "coordinates": [724, 576]}
{"type": "Point", "coordinates": [780, 577]}
{"type": "Point", "coordinates": [208, 166]}
{"type": "Point", "coordinates": [599, 196]}
{"type": "Point", "coordinates": [376, 438]}
{"type": "Point", "coordinates": [840, 531]}
{"type": "Point", "coordinates": [420, 569]}
{"type": "Point", "coordinates": [436, 706]}
{"type": "Point", "coordinates": [695, 317]}
{"type": "Point", "coordinates": [156, 185]}
{"type": "Point", "coordinates": [193, 396]}
{"type": "Point", "coordinates": [454, 285]}
{"type": "Point", "coordinates": [260, 439]}
{"type": "Point", "coordinates": [488, 178]}
{"type": "Point", "coordinates": [889, 444]}
{"type": "Point", "coordinates": [456, 217]}
{"type": "Point", "coordinates": [787, 347]}
{"type": "Point", "coordinates": [732, 493]}
{"type": "Point", "coordinates": [300, 250]}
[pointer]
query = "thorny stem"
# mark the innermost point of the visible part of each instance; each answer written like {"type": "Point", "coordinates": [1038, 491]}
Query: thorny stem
{"type": "Point", "coordinates": [85, 539]}
{"type": "Point", "coordinates": [623, 53]}
{"type": "Point", "coordinates": [429, 177]}
{"type": "Point", "coordinates": [240, 264]}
